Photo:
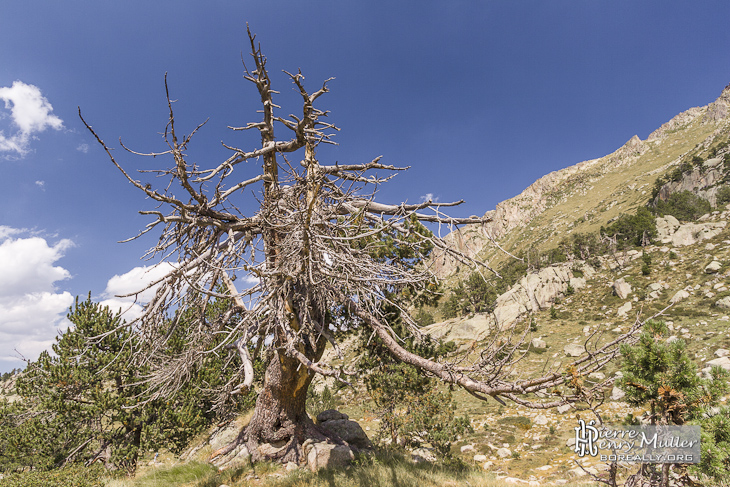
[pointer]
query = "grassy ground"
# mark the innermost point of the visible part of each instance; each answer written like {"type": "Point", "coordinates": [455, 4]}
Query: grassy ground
{"type": "Point", "coordinates": [385, 469]}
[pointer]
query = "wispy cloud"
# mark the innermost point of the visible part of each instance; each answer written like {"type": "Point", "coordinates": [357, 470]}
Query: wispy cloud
{"type": "Point", "coordinates": [41, 184]}
{"type": "Point", "coordinates": [32, 311]}
{"type": "Point", "coordinates": [30, 113]}
{"type": "Point", "coordinates": [429, 197]}
{"type": "Point", "coordinates": [83, 148]}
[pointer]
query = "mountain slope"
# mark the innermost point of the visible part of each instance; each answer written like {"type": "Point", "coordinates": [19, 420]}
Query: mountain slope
{"type": "Point", "coordinates": [583, 197]}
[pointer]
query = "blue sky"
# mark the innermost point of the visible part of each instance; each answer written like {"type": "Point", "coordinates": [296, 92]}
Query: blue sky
{"type": "Point", "coordinates": [481, 98]}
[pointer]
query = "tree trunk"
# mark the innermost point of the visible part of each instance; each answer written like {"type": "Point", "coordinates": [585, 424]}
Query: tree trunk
{"type": "Point", "coordinates": [280, 418]}
{"type": "Point", "coordinates": [280, 424]}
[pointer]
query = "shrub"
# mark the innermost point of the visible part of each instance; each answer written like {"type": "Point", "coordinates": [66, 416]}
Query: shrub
{"type": "Point", "coordinates": [662, 376]}
{"type": "Point", "coordinates": [646, 264]}
{"type": "Point", "coordinates": [723, 195]}
{"type": "Point", "coordinates": [683, 205]}
{"type": "Point", "coordinates": [75, 404]}
{"type": "Point", "coordinates": [715, 445]}
{"type": "Point", "coordinates": [71, 476]}
{"type": "Point", "coordinates": [412, 410]}
{"type": "Point", "coordinates": [424, 318]}
{"type": "Point", "coordinates": [635, 229]}
{"type": "Point", "coordinates": [318, 402]}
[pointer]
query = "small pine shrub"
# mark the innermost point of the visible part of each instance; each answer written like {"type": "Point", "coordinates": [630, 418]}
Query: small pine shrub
{"type": "Point", "coordinates": [424, 318]}
{"type": "Point", "coordinates": [318, 402]}
{"type": "Point", "coordinates": [683, 205]}
{"type": "Point", "coordinates": [723, 195]}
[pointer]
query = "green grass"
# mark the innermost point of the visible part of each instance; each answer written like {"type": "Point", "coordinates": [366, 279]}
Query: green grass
{"type": "Point", "coordinates": [73, 476]}
{"type": "Point", "coordinates": [388, 469]}
{"type": "Point", "coordinates": [192, 474]}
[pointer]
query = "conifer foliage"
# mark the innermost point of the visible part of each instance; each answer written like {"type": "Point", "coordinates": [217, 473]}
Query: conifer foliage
{"type": "Point", "coordinates": [660, 374]}
{"type": "Point", "coordinates": [83, 403]}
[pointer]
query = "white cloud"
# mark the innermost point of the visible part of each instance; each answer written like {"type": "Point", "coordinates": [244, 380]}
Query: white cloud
{"type": "Point", "coordinates": [30, 112]}
{"type": "Point", "coordinates": [26, 265]}
{"type": "Point", "coordinates": [429, 197]}
{"type": "Point", "coordinates": [83, 148]}
{"type": "Point", "coordinates": [32, 311]}
{"type": "Point", "coordinates": [139, 278]}
{"type": "Point", "coordinates": [250, 280]}
{"type": "Point", "coordinates": [131, 282]}
{"type": "Point", "coordinates": [128, 308]}
{"type": "Point", "coordinates": [41, 184]}
{"type": "Point", "coordinates": [8, 231]}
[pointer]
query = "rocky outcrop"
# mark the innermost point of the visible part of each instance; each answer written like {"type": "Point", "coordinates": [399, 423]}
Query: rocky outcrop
{"type": "Point", "coordinates": [624, 309]}
{"type": "Point", "coordinates": [720, 108]}
{"type": "Point", "coordinates": [705, 183]}
{"type": "Point", "coordinates": [574, 350]}
{"type": "Point", "coordinates": [666, 226]}
{"type": "Point", "coordinates": [680, 295]}
{"type": "Point", "coordinates": [681, 235]}
{"type": "Point", "coordinates": [536, 291]}
{"type": "Point", "coordinates": [533, 201]}
{"type": "Point", "coordinates": [476, 327]}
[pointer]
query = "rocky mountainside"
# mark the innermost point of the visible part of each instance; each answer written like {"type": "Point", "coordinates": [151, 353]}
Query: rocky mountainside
{"type": "Point", "coordinates": [565, 308]}
{"type": "Point", "coordinates": [582, 197]}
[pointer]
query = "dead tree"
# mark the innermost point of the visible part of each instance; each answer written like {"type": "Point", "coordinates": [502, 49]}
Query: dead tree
{"type": "Point", "coordinates": [311, 245]}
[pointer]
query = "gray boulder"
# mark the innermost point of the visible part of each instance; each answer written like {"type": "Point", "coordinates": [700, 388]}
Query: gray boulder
{"type": "Point", "coordinates": [325, 455]}
{"type": "Point", "coordinates": [723, 303]}
{"type": "Point", "coordinates": [224, 436]}
{"type": "Point", "coordinates": [723, 362]}
{"type": "Point", "coordinates": [621, 288]}
{"type": "Point", "coordinates": [421, 455]}
{"type": "Point", "coordinates": [680, 295]}
{"type": "Point", "coordinates": [577, 283]}
{"type": "Point", "coordinates": [691, 233]}
{"type": "Point", "coordinates": [541, 419]}
{"type": "Point", "coordinates": [239, 457]}
{"type": "Point", "coordinates": [624, 309]}
{"type": "Point", "coordinates": [574, 350]}
{"type": "Point", "coordinates": [331, 415]}
{"type": "Point", "coordinates": [666, 226]}
{"type": "Point", "coordinates": [349, 431]}
{"type": "Point", "coordinates": [617, 394]}
{"type": "Point", "coordinates": [504, 453]}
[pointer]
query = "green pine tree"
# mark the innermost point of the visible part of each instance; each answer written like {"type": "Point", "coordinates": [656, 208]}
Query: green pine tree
{"type": "Point", "coordinates": [88, 402]}
{"type": "Point", "coordinates": [662, 376]}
